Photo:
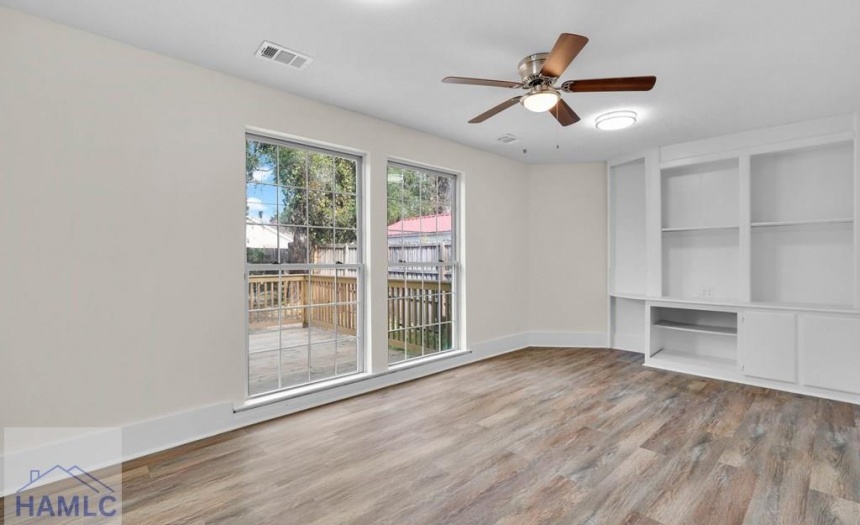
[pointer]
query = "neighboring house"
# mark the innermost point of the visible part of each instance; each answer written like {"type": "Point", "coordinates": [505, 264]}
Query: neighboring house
{"type": "Point", "coordinates": [429, 229]}
{"type": "Point", "coordinates": [266, 236]}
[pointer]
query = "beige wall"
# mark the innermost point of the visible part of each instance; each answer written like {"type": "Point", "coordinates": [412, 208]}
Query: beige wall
{"type": "Point", "coordinates": [122, 202]}
{"type": "Point", "coordinates": [122, 206]}
{"type": "Point", "coordinates": [567, 248]}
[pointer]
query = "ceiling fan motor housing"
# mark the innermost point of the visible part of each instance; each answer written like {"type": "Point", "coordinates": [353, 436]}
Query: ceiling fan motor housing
{"type": "Point", "coordinates": [530, 68]}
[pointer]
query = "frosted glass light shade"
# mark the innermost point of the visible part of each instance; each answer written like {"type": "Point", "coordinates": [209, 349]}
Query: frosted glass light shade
{"type": "Point", "coordinates": [615, 120]}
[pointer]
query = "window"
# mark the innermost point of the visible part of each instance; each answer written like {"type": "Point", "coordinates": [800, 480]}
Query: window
{"type": "Point", "coordinates": [422, 262]}
{"type": "Point", "coordinates": [304, 264]}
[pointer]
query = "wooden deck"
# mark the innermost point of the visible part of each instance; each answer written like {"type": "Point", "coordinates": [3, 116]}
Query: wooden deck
{"type": "Point", "coordinates": [537, 436]}
{"type": "Point", "coordinates": [300, 362]}
{"type": "Point", "coordinates": [308, 354]}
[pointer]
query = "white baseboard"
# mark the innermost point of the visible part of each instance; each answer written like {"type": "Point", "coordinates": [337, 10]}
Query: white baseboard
{"type": "Point", "coordinates": [568, 339]}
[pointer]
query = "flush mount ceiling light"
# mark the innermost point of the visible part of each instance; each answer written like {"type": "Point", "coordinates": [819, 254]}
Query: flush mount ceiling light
{"type": "Point", "coordinates": [541, 98]}
{"type": "Point", "coordinates": [615, 120]}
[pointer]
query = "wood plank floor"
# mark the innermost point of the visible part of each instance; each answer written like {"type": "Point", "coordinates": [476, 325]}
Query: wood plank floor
{"type": "Point", "coordinates": [537, 436]}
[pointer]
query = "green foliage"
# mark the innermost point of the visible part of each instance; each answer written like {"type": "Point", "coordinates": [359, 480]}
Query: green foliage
{"type": "Point", "coordinates": [258, 256]}
{"type": "Point", "coordinates": [416, 194]}
{"type": "Point", "coordinates": [318, 193]}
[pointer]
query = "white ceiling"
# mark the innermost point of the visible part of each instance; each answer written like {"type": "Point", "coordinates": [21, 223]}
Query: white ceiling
{"type": "Point", "coordinates": [721, 65]}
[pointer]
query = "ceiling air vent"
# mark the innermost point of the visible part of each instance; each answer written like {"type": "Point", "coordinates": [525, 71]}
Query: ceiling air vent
{"type": "Point", "coordinates": [270, 51]}
{"type": "Point", "coordinates": [507, 138]}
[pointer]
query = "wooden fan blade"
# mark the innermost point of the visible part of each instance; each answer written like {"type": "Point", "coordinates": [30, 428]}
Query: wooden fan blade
{"type": "Point", "coordinates": [609, 84]}
{"type": "Point", "coordinates": [564, 114]}
{"type": "Point", "coordinates": [481, 82]}
{"type": "Point", "coordinates": [563, 52]}
{"type": "Point", "coordinates": [498, 109]}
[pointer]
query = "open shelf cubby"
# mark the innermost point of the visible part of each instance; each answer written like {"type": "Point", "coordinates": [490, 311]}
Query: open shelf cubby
{"type": "Point", "coordinates": [702, 264]}
{"type": "Point", "coordinates": [811, 264]}
{"type": "Point", "coordinates": [803, 186]}
{"type": "Point", "coordinates": [694, 337]}
{"type": "Point", "coordinates": [701, 196]}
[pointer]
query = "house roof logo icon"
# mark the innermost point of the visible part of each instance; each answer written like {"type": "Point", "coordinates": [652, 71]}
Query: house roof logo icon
{"type": "Point", "coordinates": [58, 472]}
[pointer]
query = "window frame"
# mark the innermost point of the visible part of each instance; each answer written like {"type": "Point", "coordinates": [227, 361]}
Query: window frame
{"type": "Point", "coordinates": [359, 267]}
{"type": "Point", "coordinates": [455, 263]}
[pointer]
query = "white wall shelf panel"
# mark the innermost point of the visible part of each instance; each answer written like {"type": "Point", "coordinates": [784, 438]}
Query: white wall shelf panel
{"type": "Point", "coordinates": [701, 196]}
{"type": "Point", "coordinates": [627, 227]}
{"type": "Point", "coordinates": [702, 264]}
{"type": "Point", "coordinates": [628, 324]}
{"type": "Point", "coordinates": [811, 184]}
{"type": "Point", "coordinates": [811, 264]}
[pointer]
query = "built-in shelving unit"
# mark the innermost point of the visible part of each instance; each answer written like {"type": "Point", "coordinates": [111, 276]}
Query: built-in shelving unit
{"type": "Point", "coordinates": [739, 258]}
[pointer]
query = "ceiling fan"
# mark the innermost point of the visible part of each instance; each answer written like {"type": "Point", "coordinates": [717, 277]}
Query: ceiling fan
{"type": "Point", "coordinates": [541, 70]}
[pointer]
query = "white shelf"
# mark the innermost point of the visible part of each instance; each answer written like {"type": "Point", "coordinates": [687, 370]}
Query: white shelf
{"type": "Point", "coordinates": [699, 229]}
{"type": "Point", "coordinates": [801, 223]}
{"type": "Point", "coordinates": [768, 305]}
{"type": "Point", "coordinates": [698, 328]}
{"type": "Point", "coordinates": [812, 307]}
{"type": "Point", "coordinates": [676, 357]}
{"type": "Point", "coordinates": [631, 296]}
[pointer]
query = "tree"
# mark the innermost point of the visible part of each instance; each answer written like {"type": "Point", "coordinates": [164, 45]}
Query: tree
{"type": "Point", "coordinates": [413, 193]}
{"type": "Point", "coordinates": [317, 194]}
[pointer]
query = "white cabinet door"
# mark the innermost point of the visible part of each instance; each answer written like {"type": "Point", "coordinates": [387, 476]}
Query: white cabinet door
{"type": "Point", "coordinates": [830, 352]}
{"type": "Point", "coordinates": [768, 345]}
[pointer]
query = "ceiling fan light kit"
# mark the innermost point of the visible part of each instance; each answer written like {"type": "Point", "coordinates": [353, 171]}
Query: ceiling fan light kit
{"type": "Point", "coordinates": [539, 73]}
{"type": "Point", "coordinates": [615, 120]}
{"type": "Point", "coordinates": [541, 98]}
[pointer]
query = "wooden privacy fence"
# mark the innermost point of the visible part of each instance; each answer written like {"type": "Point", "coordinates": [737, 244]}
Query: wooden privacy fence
{"type": "Point", "coordinates": [401, 254]}
{"type": "Point", "coordinates": [327, 302]}
{"type": "Point", "coordinates": [406, 253]}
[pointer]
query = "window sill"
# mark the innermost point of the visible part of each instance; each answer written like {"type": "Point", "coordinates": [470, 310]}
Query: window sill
{"type": "Point", "coordinates": [418, 361]}
{"type": "Point", "coordinates": [339, 382]}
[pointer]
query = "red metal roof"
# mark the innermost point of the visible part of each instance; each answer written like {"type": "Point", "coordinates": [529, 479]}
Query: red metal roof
{"type": "Point", "coordinates": [426, 224]}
